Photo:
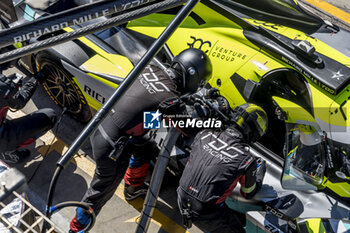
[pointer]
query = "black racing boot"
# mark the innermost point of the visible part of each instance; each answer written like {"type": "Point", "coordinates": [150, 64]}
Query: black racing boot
{"type": "Point", "coordinates": [132, 192]}
{"type": "Point", "coordinates": [15, 156]}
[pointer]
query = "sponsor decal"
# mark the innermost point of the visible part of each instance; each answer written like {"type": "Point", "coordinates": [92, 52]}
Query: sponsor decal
{"type": "Point", "coordinates": [274, 212]}
{"type": "Point", "coordinates": [227, 54]}
{"type": "Point", "coordinates": [76, 21]}
{"type": "Point", "coordinates": [268, 25]}
{"type": "Point", "coordinates": [199, 43]}
{"type": "Point", "coordinates": [313, 79]}
{"type": "Point", "coordinates": [216, 51]}
{"type": "Point", "coordinates": [94, 94]}
{"type": "Point", "coordinates": [271, 228]}
{"type": "Point", "coordinates": [151, 82]}
{"type": "Point", "coordinates": [337, 75]}
{"type": "Point", "coordinates": [219, 148]}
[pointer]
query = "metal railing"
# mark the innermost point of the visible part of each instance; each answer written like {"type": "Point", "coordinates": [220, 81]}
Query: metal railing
{"type": "Point", "coordinates": [30, 220]}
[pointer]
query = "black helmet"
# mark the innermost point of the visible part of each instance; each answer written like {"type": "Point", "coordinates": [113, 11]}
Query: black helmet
{"type": "Point", "coordinates": [195, 67]}
{"type": "Point", "coordinates": [252, 120]}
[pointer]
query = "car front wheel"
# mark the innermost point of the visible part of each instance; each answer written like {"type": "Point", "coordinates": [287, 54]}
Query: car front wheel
{"type": "Point", "coordinates": [61, 87]}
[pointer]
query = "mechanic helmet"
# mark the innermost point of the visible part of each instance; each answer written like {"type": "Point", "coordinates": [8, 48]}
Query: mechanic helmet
{"type": "Point", "coordinates": [195, 67]}
{"type": "Point", "coordinates": [252, 120]}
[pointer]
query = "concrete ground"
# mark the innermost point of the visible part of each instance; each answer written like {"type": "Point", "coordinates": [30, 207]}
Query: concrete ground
{"type": "Point", "coordinates": [334, 11]}
{"type": "Point", "coordinates": [341, 4]}
{"type": "Point", "coordinates": [118, 215]}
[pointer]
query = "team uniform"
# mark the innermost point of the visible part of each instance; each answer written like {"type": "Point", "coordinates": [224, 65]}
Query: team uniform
{"type": "Point", "coordinates": [22, 131]}
{"type": "Point", "coordinates": [121, 133]}
{"type": "Point", "coordinates": [218, 161]}
{"type": "Point", "coordinates": [126, 119]}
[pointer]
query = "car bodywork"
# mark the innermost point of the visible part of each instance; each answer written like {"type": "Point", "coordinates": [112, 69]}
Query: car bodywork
{"type": "Point", "coordinates": [331, 214]}
{"type": "Point", "coordinates": [289, 62]}
{"type": "Point", "coordinates": [267, 63]}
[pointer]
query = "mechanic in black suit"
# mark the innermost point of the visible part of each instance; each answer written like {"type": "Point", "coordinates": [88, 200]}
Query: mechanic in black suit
{"type": "Point", "coordinates": [218, 161]}
{"type": "Point", "coordinates": [123, 128]}
{"type": "Point", "coordinates": [18, 133]}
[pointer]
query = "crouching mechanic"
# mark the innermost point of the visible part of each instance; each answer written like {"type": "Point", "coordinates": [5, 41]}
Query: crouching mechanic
{"type": "Point", "coordinates": [18, 133]}
{"type": "Point", "coordinates": [218, 161]}
{"type": "Point", "coordinates": [125, 125]}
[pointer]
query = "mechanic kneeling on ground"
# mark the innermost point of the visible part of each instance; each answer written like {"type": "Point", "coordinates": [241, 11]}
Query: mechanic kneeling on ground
{"type": "Point", "coordinates": [18, 133]}
{"type": "Point", "coordinates": [217, 162]}
{"type": "Point", "coordinates": [124, 127]}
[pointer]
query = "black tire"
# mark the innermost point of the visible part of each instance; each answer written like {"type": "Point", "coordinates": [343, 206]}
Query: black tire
{"type": "Point", "coordinates": [63, 90]}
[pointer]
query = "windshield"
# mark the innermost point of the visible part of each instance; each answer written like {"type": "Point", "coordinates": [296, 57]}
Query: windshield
{"type": "Point", "coordinates": [305, 158]}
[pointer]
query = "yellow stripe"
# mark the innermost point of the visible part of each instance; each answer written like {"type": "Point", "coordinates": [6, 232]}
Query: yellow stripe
{"type": "Point", "coordinates": [261, 122]}
{"type": "Point", "coordinates": [248, 190]}
{"type": "Point", "coordinates": [158, 217]}
{"type": "Point", "coordinates": [314, 225]}
{"type": "Point", "coordinates": [88, 167]}
{"type": "Point", "coordinates": [251, 108]}
{"type": "Point", "coordinates": [329, 8]}
{"type": "Point", "coordinates": [292, 151]}
{"type": "Point", "coordinates": [240, 121]}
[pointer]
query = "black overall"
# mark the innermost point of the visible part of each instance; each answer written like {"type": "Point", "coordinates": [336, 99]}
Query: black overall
{"type": "Point", "coordinates": [24, 130]}
{"type": "Point", "coordinates": [217, 162]}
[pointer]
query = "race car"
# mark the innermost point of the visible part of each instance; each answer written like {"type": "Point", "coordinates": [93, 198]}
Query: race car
{"type": "Point", "coordinates": [272, 53]}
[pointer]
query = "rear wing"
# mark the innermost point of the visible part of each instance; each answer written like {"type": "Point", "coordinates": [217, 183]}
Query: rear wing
{"type": "Point", "coordinates": [7, 11]}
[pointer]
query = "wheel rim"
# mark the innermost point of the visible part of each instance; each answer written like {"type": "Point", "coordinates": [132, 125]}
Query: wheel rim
{"type": "Point", "coordinates": [61, 88]}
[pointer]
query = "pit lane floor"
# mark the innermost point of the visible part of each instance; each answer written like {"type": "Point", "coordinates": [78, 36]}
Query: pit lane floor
{"type": "Point", "coordinates": [118, 216]}
{"type": "Point", "coordinates": [335, 11]}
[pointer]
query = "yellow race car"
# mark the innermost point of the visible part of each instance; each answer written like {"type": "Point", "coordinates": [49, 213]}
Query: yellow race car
{"type": "Point", "coordinates": [272, 53]}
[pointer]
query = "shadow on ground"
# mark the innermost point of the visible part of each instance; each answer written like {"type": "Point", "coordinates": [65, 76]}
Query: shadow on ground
{"type": "Point", "coordinates": [39, 170]}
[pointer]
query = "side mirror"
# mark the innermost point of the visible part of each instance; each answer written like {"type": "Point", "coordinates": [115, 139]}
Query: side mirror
{"type": "Point", "coordinates": [304, 161]}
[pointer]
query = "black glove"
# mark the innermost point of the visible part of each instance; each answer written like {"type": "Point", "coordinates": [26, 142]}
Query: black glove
{"type": "Point", "coordinates": [40, 77]}
{"type": "Point", "coordinates": [199, 111]}
{"type": "Point", "coordinates": [172, 106]}
{"type": "Point", "coordinates": [9, 86]}
{"type": "Point", "coordinates": [16, 79]}
{"type": "Point", "coordinates": [260, 170]}
{"type": "Point", "coordinates": [207, 93]}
